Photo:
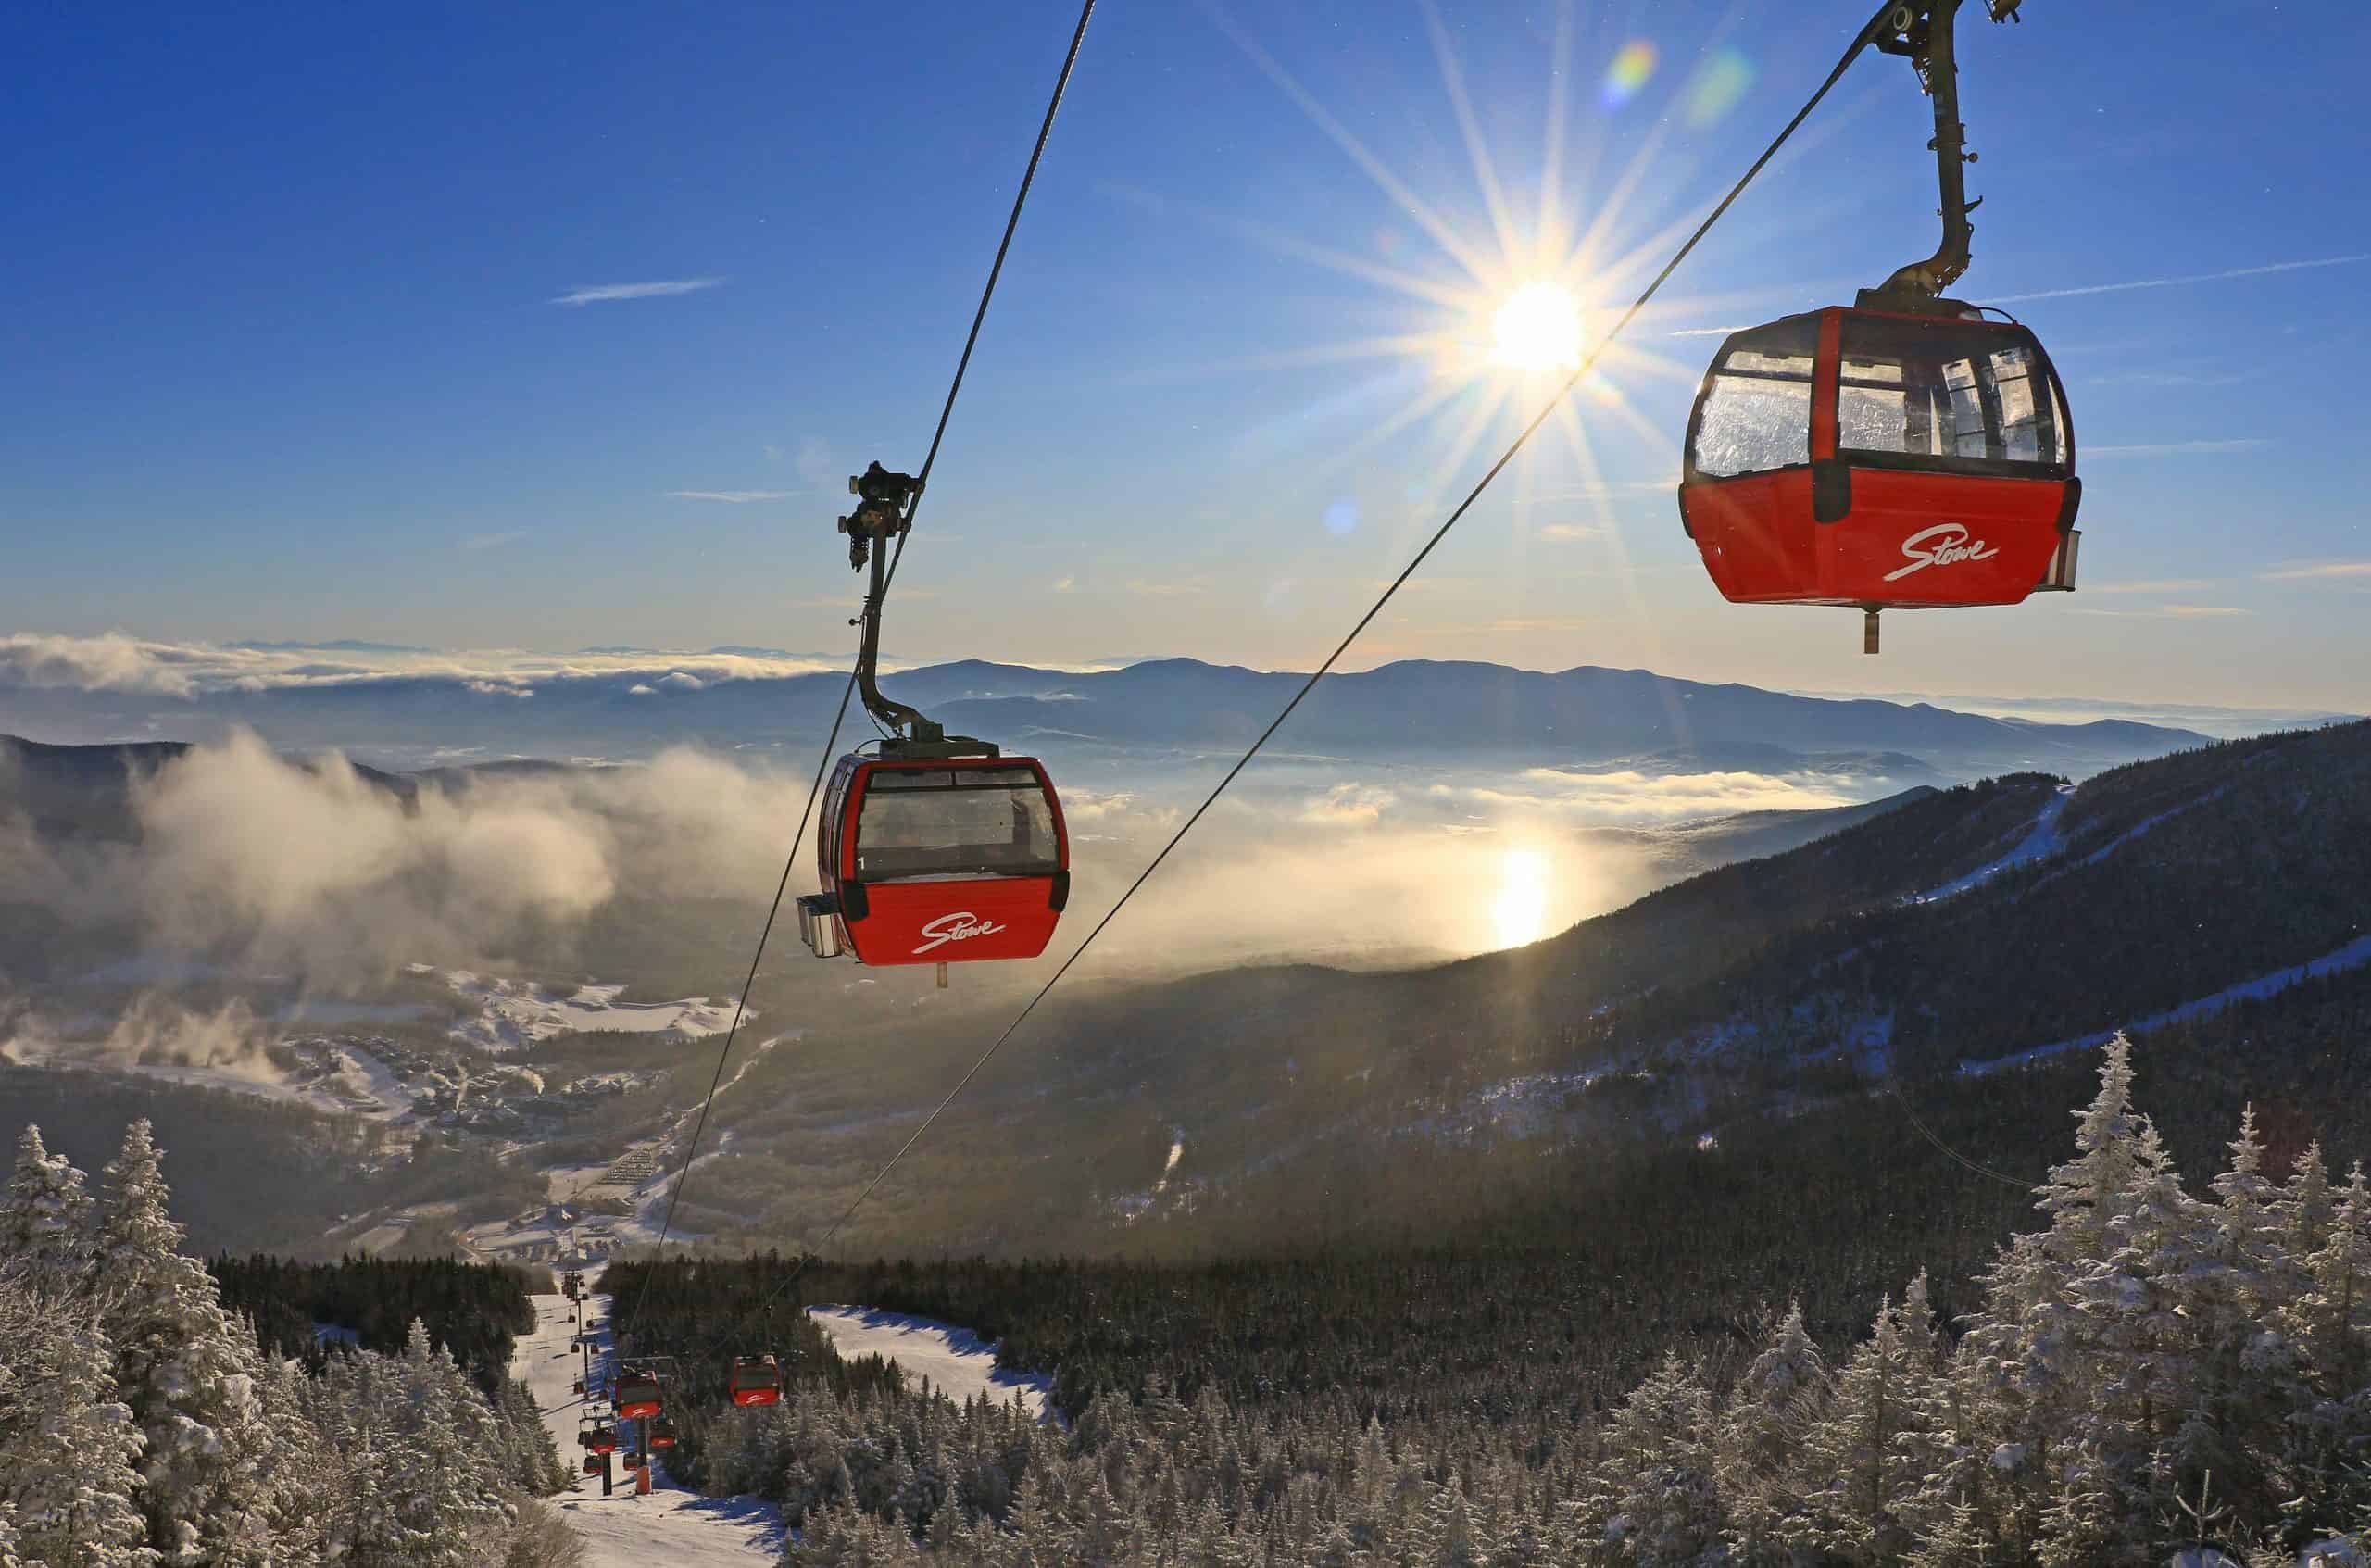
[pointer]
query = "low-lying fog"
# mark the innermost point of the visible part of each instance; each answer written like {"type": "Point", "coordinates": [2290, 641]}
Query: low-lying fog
{"type": "Point", "coordinates": [250, 879]}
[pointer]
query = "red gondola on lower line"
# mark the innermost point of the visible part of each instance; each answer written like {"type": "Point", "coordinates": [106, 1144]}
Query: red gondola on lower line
{"type": "Point", "coordinates": [943, 860]}
{"type": "Point", "coordinates": [757, 1380]}
{"type": "Point", "coordinates": [1881, 459]}
{"type": "Point", "coordinates": [637, 1395]}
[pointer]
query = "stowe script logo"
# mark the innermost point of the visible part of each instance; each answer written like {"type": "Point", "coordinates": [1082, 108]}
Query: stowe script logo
{"type": "Point", "coordinates": [961, 926]}
{"type": "Point", "coordinates": [1946, 543]}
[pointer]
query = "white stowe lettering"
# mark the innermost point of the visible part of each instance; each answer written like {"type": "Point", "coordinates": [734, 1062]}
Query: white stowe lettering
{"type": "Point", "coordinates": [961, 926]}
{"type": "Point", "coordinates": [1946, 543]}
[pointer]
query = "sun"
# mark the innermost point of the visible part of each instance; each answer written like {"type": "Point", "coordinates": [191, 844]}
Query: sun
{"type": "Point", "coordinates": [1519, 910]}
{"type": "Point", "coordinates": [1538, 328]}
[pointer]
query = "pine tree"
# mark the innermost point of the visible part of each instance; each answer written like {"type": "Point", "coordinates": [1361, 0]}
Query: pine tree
{"type": "Point", "coordinates": [1655, 1497]}
{"type": "Point", "coordinates": [1782, 1396]}
{"type": "Point", "coordinates": [2330, 1322]}
{"type": "Point", "coordinates": [45, 1217]}
{"type": "Point", "coordinates": [1880, 1398]}
{"type": "Point", "coordinates": [429, 1456]}
{"type": "Point", "coordinates": [67, 1449]}
{"type": "Point", "coordinates": [190, 1373]}
{"type": "Point", "coordinates": [2242, 1370]}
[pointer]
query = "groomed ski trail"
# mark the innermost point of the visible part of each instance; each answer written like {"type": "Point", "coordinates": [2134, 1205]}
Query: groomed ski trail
{"type": "Point", "coordinates": [954, 1361]}
{"type": "Point", "coordinates": [672, 1525]}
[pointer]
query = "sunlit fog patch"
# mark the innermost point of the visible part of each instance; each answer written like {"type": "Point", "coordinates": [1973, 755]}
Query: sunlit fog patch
{"type": "Point", "coordinates": [1630, 797]}
{"type": "Point", "coordinates": [331, 879]}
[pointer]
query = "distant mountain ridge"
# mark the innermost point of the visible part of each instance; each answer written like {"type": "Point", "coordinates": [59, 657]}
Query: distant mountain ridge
{"type": "Point", "coordinates": [1414, 708]}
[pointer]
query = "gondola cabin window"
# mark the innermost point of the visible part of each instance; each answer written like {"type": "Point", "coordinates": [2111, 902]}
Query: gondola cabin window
{"type": "Point", "coordinates": [1948, 396]}
{"type": "Point", "coordinates": [955, 823]}
{"type": "Point", "coordinates": [1756, 415]}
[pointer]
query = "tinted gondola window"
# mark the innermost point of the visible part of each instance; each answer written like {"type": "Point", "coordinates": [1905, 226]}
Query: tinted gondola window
{"type": "Point", "coordinates": [960, 821]}
{"type": "Point", "coordinates": [1757, 412]}
{"type": "Point", "coordinates": [1951, 395]}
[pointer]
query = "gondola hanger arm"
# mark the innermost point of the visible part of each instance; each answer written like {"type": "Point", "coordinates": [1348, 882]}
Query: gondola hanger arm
{"type": "Point", "coordinates": [1925, 34]}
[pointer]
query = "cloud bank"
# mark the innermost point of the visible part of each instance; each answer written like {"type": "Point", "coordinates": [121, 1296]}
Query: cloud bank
{"type": "Point", "coordinates": [116, 661]}
{"type": "Point", "coordinates": [248, 864]}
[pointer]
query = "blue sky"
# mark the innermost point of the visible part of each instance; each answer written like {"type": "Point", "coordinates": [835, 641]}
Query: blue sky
{"type": "Point", "coordinates": [285, 354]}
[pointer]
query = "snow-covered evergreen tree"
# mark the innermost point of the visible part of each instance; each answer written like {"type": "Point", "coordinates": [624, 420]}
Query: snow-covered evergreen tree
{"type": "Point", "coordinates": [444, 1489]}
{"type": "Point", "coordinates": [189, 1372]}
{"type": "Point", "coordinates": [1655, 1497]}
{"type": "Point", "coordinates": [45, 1216]}
{"type": "Point", "coordinates": [1782, 1396]}
{"type": "Point", "coordinates": [68, 1444]}
{"type": "Point", "coordinates": [1865, 1451]}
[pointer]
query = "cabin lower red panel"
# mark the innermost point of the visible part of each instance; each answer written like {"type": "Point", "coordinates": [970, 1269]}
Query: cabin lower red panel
{"type": "Point", "coordinates": [1910, 539]}
{"type": "Point", "coordinates": [956, 920]}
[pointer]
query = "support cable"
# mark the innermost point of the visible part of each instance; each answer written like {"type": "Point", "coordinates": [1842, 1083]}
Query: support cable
{"type": "Point", "coordinates": [872, 608]}
{"type": "Point", "coordinates": [1861, 41]}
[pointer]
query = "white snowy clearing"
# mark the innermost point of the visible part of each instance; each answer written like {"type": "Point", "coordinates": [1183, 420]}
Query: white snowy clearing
{"type": "Point", "coordinates": [511, 1013]}
{"type": "Point", "coordinates": [2354, 954]}
{"type": "Point", "coordinates": [672, 1525]}
{"type": "Point", "coordinates": [2040, 843]}
{"type": "Point", "coordinates": [955, 1361]}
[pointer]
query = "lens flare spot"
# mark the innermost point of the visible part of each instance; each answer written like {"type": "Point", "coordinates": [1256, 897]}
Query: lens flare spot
{"type": "Point", "coordinates": [1342, 518]}
{"type": "Point", "coordinates": [1633, 64]}
{"type": "Point", "coordinates": [1715, 88]}
{"type": "Point", "coordinates": [1518, 908]}
{"type": "Point", "coordinates": [1538, 328]}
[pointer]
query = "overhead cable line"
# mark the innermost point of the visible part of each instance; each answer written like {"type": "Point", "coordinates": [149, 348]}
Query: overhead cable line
{"type": "Point", "coordinates": [1860, 42]}
{"type": "Point", "coordinates": [872, 608]}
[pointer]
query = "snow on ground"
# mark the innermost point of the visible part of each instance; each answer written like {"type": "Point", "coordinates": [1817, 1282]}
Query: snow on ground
{"type": "Point", "coordinates": [2038, 844]}
{"type": "Point", "coordinates": [2354, 953]}
{"type": "Point", "coordinates": [956, 1361]}
{"type": "Point", "coordinates": [672, 1525]}
{"type": "Point", "coordinates": [362, 1080]}
{"type": "Point", "coordinates": [511, 1013]}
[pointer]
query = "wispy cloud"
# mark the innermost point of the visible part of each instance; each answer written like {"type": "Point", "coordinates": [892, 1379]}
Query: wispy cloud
{"type": "Point", "coordinates": [598, 294]}
{"type": "Point", "coordinates": [1064, 585]}
{"type": "Point", "coordinates": [1707, 331]}
{"type": "Point", "coordinates": [115, 661]}
{"type": "Point", "coordinates": [735, 497]}
{"type": "Point", "coordinates": [1566, 532]}
{"type": "Point", "coordinates": [818, 465]}
{"type": "Point", "coordinates": [2157, 585]}
{"type": "Point", "coordinates": [2324, 568]}
{"type": "Point", "coordinates": [2173, 448]}
{"type": "Point", "coordinates": [2227, 276]}
{"type": "Point", "coordinates": [2171, 612]}
{"type": "Point", "coordinates": [492, 541]}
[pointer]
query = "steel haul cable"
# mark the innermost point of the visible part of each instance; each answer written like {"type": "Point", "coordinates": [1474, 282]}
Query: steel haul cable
{"type": "Point", "coordinates": [831, 742]}
{"type": "Point", "coordinates": [1860, 42]}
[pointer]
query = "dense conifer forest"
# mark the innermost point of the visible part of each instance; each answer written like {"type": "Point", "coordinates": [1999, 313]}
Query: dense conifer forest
{"type": "Point", "coordinates": [2143, 1366]}
{"type": "Point", "coordinates": [141, 1424]}
{"type": "Point", "coordinates": [473, 1311]}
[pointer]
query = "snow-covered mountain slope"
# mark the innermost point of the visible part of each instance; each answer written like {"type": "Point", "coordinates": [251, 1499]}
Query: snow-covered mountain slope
{"type": "Point", "coordinates": [954, 1361]}
{"type": "Point", "coordinates": [673, 1524]}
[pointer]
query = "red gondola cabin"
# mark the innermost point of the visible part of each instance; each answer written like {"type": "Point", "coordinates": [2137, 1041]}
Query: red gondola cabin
{"type": "Point", "coordinates": [757, 1380]}
{"type": "Point", "coordinates": [599, 1439]}
{"type": "Point", "coordinates": [638, 1395]}
{"type": "Point", "coordinates": [947, 860]}
{"type": "Point", "coordinates": [1882, 459]}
